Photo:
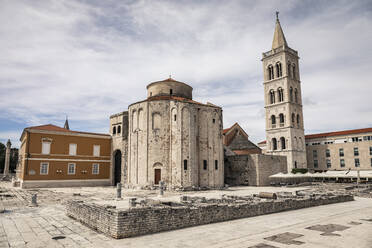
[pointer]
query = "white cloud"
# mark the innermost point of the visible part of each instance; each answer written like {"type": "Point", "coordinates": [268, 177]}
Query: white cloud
{"type": "Point", "coordinates": [90, 60]}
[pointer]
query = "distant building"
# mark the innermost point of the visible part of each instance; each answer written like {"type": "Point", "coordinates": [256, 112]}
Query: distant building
{"type": "Point", "coordinates": [51, 156]}
{"type": "Point", "coordinates": [341, 150]}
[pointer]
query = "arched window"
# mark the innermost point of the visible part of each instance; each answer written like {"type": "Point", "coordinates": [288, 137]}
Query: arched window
{"type": "Point", "coordinates": [293, 119]}
{"type": "Point", "coordinates": [272, 96]}
{"type": "Point", "coordinates": [273, 121]}
{"type": "Point", "coordinates": [114, 130]}
{"type": "Point", "coordinates": [278, 69]}
{"type": "Point", "coordinates": [275, 145]}
{"type": "Point", "coordinates": [270, 70]}
{"type": "Point", "coordinates": [281, 118]}
{"type": "Point", "coordinates": [298, 120]}
{"type": "Point", "coordinates": [119, 129]}
{"type": "Point", "coordinates": [294, 71]}
{"type": "Point", "coordinates": [280, 94]}
{"type": "Point", "coordinates": [282, 142]}
{"type": "Point", "coordinates": [289, 69]}
{"type": "Point", "coordinates": [296, 96]}
{"type": "Point", "coordinates": [291, 94]}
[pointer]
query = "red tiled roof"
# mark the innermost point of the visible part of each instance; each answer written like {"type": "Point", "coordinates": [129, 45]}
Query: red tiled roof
{"type": "Point", "coordinates": [226, 130]}
{"type": "Point", "coordinates": [331, 134]}
{"type": "Point", "coordinates": [178, 98]}
{"type": "Point", "coordinates": [51, 127]}
{"type": "Point", "coordinates": [338, 133]}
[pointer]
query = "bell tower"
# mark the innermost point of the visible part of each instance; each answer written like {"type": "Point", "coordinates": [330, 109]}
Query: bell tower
{"type": "Point", "coordinates": [283, 102]}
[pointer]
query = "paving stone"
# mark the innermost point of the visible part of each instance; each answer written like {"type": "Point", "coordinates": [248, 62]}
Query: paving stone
{"type": "Point", "coordinates": [329, 229]}
{"type": "Point", "coordinates": [286, 238]}
{"type": "Point", "coordinates": [262, 245]}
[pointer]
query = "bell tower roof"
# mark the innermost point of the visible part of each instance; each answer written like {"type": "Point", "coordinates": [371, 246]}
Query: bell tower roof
{"type": "Point", "coordinates": [66, 126]}
{"type": "Point", "coordinates": [279, 38]}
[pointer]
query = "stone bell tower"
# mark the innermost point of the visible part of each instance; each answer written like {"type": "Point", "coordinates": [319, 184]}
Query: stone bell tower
{"type": "Point", "coordinates": [283, 102]}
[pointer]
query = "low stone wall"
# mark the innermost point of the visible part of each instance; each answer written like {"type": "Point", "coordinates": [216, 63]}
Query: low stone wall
{"type": "Point", "coordinates": [136, 221]}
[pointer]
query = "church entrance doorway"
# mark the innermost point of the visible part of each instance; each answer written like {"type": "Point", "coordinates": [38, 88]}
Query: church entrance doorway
{"type": "Point", "coordinates": [117, 176]}
{"type": "Point", "coordinates": [157, 176]}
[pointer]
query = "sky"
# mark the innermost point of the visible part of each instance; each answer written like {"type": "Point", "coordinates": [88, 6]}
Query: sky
{"type": "Point", "coordinates": [90, 59]}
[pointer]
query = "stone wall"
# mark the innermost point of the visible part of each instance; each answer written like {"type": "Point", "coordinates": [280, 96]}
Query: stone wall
{"type": "Point", "coordinates": [144, 220]}
{"type": "Point", "coordinates": [253, 169]}
{"type": "Point", "coordinates": [240, 170]}
{"type": "Point", "coordinates": [119, 143]}
{"type": "Point", "coordinates": [267, 165]}
{"type": "Point", "coordinates": [175, 139]}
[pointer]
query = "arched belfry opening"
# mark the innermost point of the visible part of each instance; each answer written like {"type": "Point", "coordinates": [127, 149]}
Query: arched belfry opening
{"type": "Point", "coordinates": [117, 167]}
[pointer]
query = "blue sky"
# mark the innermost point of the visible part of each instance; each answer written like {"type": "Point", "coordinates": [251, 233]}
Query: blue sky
{"type": "Point", "coordinates": [91, 59]}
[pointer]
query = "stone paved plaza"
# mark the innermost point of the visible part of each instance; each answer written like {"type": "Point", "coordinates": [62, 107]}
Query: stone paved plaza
{"type": "Point", "coordinates": [346, 224]}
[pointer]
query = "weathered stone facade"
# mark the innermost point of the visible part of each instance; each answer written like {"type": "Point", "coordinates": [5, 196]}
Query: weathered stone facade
{"type": "Point", "coordinates": [283, 102]}
{"type": "Point", "coordinates": [119, 133]}
{"type": "Point", "coordinates": [123, 223]}
{"type": "Point", "coordinates": [253, 169]}
{"type": "Point", "coordinates": [173, 139]}
{"type": "Point", "coordinates": [244, 163]}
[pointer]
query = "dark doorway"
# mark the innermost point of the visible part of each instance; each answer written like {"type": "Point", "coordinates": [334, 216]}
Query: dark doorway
{"type": "Point", "coordinates": [117, 176]}
{"type": "Point", "coordinates": [157, 176]}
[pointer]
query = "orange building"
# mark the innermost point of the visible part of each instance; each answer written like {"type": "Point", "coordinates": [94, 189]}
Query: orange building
{"type": "Point", "coordinates": [51, 156]}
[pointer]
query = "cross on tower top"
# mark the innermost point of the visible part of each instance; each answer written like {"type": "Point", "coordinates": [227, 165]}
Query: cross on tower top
{"type": "Point", "coordinates": [277, 15]}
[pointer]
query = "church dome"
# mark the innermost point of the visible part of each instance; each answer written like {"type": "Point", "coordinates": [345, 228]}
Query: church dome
{"type": "Point", "coordinates": [169, 87]}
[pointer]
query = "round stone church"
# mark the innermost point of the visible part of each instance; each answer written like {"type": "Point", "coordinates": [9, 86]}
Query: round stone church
{"type": "Point", "coordinates": [171, 138]}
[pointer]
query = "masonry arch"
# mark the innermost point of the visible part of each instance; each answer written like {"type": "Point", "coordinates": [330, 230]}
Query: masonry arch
{"type": "Point", "coordinates": [274, 144]}
{"type": "Point", "coordinates": [273, 121]}
{"type": "Point", "coordinates": [270, 71]}
{"type": "Point", "coordinates": [296, 95]}
{"type": "Point", "coordinates": [272, 96]}
{"type": "Point", "coordinates": [282, 143]}
{"type": "Point", "coordinates": [280, 94]}
{"type": "Point", "coordinates": [157, 167]}
{"type": "Point", "coordinates": [278, 69]}
{"type": "Point", "coordinates": [117, 166]}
